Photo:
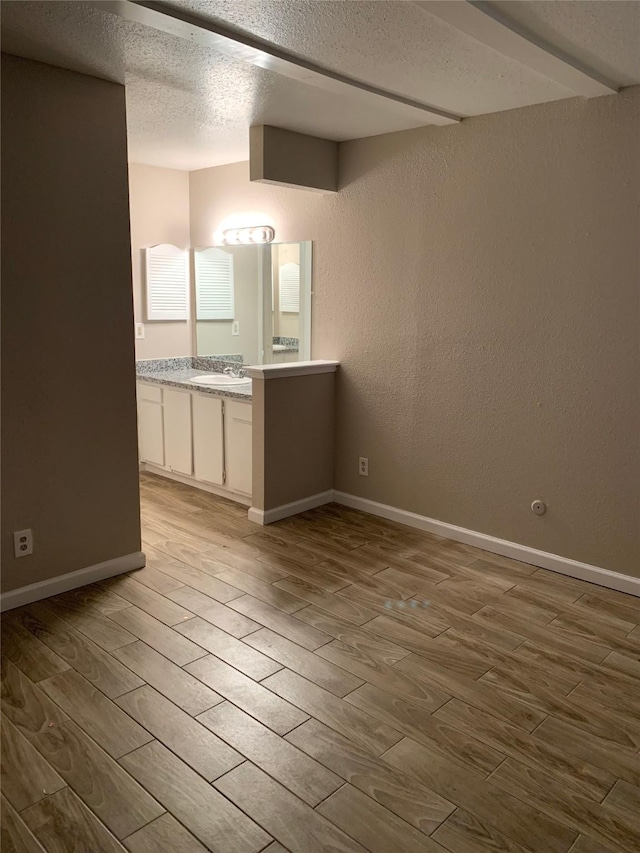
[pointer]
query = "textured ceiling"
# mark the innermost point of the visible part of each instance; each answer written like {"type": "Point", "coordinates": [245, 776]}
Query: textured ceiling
{"type": "Point", "coordinates": [395, 45]}
{"type": "Point", "coordinates": [189, 107]}
{"type": "Point", "coordinates": [603, 35]}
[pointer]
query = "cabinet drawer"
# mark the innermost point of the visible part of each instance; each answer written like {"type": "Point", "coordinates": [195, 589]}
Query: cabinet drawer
{"type": "Point", "coordinates": [242, 411]}
{"type": "Point", "coordinates": [152, 393]}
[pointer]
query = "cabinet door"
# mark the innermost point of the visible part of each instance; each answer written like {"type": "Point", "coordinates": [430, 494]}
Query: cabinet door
{"type": "Point", "coordinates": [150, 433]}
{"type": "Point", "coordinates": [177, 431]}
{"type": "Point", "coordinates": [237, 434]}
{"type": "Point", "coordinates": [208, 447]}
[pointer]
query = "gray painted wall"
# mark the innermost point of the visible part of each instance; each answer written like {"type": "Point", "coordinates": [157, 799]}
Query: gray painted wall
{"type": "Point", "coordinates": [479, 285]}
{"type": "Point", "coordinates": [69, 446]}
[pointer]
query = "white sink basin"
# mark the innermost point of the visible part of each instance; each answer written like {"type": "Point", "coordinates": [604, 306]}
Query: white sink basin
{"type": "Point", "coordinates": [220, 379]}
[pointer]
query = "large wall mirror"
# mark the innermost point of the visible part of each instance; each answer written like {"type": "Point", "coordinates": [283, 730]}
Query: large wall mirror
{"type": "Point", "coordinates": [253, 303]}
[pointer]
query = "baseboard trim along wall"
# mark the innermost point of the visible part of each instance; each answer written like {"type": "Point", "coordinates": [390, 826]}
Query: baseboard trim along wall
{"type": "Point", "coordinates": [261, 516]}
{"type": "Point", "coordinates": [186, 480]}
{"type": "Point", "coordinates": [543, 559]}
{"type": "Point", "coordinates": [72, 580]}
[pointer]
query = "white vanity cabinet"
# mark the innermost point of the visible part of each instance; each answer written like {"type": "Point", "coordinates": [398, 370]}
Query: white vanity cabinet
{"type": "Point", "coordinates": [178, 446]}
{"type": "Point", "coordinates": [150, 424]}
{"type": "Point", "coordinates": [237, 439]}
{"type": "Point", "coordinates": [196, 437]}
{"type": "Point", "coordinates": [208, 439]}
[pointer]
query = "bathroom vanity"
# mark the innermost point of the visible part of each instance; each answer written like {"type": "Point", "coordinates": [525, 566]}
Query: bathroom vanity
{"type": "Point", "coordinates": [250, 310]}
{"type": "Point", "coordinates": [197, 433]}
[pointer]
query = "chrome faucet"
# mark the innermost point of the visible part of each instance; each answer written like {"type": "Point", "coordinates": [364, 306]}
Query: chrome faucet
{"type": "Point", "coordinates": [233, 371]}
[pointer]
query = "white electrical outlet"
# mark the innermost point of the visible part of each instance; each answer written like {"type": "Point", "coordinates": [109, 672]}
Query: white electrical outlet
{"type": "Point", "coordinates": [363, 466]}
{"type": "Point", "coordinates": [139, 331]}
{"type": "Point", "coordinates": [235, 328]}
{"type": "Point", "coordinates": [22, 543]}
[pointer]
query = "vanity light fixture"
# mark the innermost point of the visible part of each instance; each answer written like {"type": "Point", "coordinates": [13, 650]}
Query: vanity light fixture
{"type": "Point", "coordinates": [245, 236]}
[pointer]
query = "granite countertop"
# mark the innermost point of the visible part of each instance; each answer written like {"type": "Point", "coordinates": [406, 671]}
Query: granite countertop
{"type": "Point", "coordinates": [177, 373]}
{"type": "Point", "coordinates": [282, 344]}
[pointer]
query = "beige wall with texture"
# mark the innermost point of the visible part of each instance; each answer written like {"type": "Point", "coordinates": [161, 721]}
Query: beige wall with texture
{"type": "Point", "coordinates": [293, 438]}
{"type": "Point", "coordinates": [69, 447]}
{"type": "Point", "coordinates": [159, 201]}
{"type": "Point", "coordinates": [479, 285]}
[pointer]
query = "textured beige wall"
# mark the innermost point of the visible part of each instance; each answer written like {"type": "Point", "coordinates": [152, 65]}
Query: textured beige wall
{"type": "Point", "coordinates": [69, 447]}
{"type": "Point", "coordinates": [280, 156]}
{"type": "Point", "coordinates": [257, 444]}
{"type": "Point", "coordinates": [293, 438]}
{"type": "Point", "coordinates": [159, 200]}
{"type": "Point", "coordinates": [480, 286]}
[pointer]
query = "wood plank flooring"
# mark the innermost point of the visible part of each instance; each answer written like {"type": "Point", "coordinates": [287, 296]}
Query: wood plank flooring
{"type": "Point", "coordinates": [335, 682]}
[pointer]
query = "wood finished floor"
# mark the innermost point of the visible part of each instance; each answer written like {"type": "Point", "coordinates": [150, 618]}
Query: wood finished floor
{"type": "Point", "coordinates": [333, 682]}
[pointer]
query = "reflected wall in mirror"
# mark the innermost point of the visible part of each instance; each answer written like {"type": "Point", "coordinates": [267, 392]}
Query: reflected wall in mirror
{"type": "Point", "coordinates": [227, 285]}
{"type": "Point", "coordinates": [253, 303]}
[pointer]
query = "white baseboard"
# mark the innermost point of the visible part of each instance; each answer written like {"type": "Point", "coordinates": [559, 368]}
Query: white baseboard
{"type": "Point", "coordinates": [261, 516]}
{"type": "Point", "coordinates": [543, 559]}
{"type": "Point", "coordinates": [72, 580]}
{"type": "Point", "coordinates": [197, 484]}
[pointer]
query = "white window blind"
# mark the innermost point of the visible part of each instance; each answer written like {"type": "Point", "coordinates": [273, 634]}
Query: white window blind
{"type": "Point", "coordinates": [167, 282]}
{"type": "Point", "coordinates": [214, 284]}
{"type": "Point", "coordinates": [289, 278]}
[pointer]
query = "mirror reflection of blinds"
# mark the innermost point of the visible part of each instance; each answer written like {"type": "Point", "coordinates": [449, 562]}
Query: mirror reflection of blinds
{"type": "Point", "coordinates": [289, 279]}
{"type": "Point", "coordinates": [167, 282]}
{"type": "Point", "coordinates": [214, 285]}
